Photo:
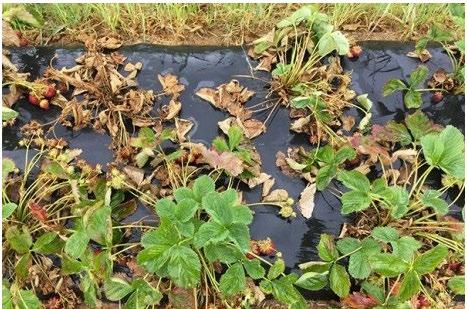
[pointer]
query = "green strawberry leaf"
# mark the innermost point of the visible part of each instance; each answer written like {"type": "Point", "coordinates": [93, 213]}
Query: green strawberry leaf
{"type": "Point", "coordinates": [202, 186]}
{"type": "Point", "coordinates": [429, 260]}
{"type": "Point", "coordinates": [254, 268]}
{"type": "Point", "coordinates": [385, 234]}
{"type": "Point", "coordinates": [276, 269]}
{"type": "Point", "coordinates": [418, 76]}
{"type": "Point", "coordinates": [405, 247]}
{"type": "Point", "coordinates": [339, 280]}
{"type": "Point", "coordinates": [8, 209]}
{"type": "Point", "coordinates": [233, 280]}
{"type": "Point", "coordinates": [327, 250]}
{"type": "Point", "coordinates": [210, 232]}
{"type": "Point", "coordinates": [77, 243]}
{"type": "Point", "coordinates": [313, 281]}
{"type": "Point", "coordinates": [20, 241]}
{"type": "Point", "coordinates": [392, 86]}
{"type": "Point", "coordinates": [410, 285]}
{"type": "Point", "coordinates": [348, 244]}
{"type": "Point", "coordinates": [354, 201]}
{"type": "Point", "coordinates": [413, 99]}
{"type": "Point", "coordinates": [48, 243]}
{"type": "Point", "coordinates": [354, 180]}
{"type": "Point", "coordinates": [388, 265]}
{"type": "Point", "coordinates": [184, 267]}
{"type": "Point", "coordinates": [445, 150]}
{"type": "Point", "coordinates": [457, 285]}
{"type": "Point", "coordinates": [430, 198]}
{"type": "Point", "coordinates": [115, 289]}
{"type": "Point", "coordinates": [419, 124]}
{"type": "Point", "coordinates": [235, 135]}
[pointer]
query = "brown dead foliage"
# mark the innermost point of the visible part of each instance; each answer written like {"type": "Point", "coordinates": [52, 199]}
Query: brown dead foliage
{"type": "Point", "coordinates": [230, 97]}
{"type": "Point", "coordinates": [103, 97]}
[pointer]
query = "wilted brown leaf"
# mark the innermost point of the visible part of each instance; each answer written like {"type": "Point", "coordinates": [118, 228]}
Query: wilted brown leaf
{"type": "Point", "coordinates": [229, 97]}
{"type": "Point", "coordinates": [7, 64]}
{"type": "Point", "coordinates": [170, 85]}
{"type": "Point", "coordinates": [407, 155]}
{"type": "Point", "coordinates": [266, 61]}
{"type": "Point", "coordinates": [307, 200]}
{"type": "Point", "coordinates": [351, 27]}
{"type": "Point", "coordinates": [9, 36]}
{"type": "Point", "coordinates": [134, 174]}
{"type": "Point", "coordinates": [253, 182]}
{"type": "Point", "coordinates": [182, 126]}
{"type": "Point", "coordinates": [224, 160]}
{"type": "Point", "coordinates": [252, 128]}
{"type": "Point", "coordinates": [278, 195]}
{"type": "Point", "coordinates": [171, 110]}
{"type": "Point", "coordinates": [11, 98]}
{"type": "Point", "coordinates": [109, 43]}
{"type": "Point", "coordinates": [424, 55]}
{"type": "Point", "coordinates": [298, 124]}
{"type": "Point", "coordinates": [267, 186]}
{"type": "Point", "coordinates": [348, 122]}
{"type": "Point", "coordinates": [281, 162]}
{"type": "Point", "coordinates": [358, 300]}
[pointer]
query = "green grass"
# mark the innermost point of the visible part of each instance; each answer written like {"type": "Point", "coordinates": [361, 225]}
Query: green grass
{"type": "Point", "coordinates": [222, 23]}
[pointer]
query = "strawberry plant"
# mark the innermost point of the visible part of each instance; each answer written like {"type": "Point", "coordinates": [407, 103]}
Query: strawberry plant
{"type": "Point", "coordinates": [412, 92]}
{"type": "Point", "coordinates": [141, 293]}
{"type": "Point", "coordinates": [146, 143]}
{"type": "Point", "coordinates": [234, 155]}
{"type": "Point", "coordinates": [326, 159]}
{"type": "Point", "coordinates": [222, 236]}
{"type": "Point", "coordinates": [14, 297]}
{"type": "Point", "coordinates": [200, 228]}
{"type": "Point", "coordinates": [384, 256]}
{"type": "Point", "coordinates": [92, 269]}
{"type": "Point", "coordinates": [439, 34]}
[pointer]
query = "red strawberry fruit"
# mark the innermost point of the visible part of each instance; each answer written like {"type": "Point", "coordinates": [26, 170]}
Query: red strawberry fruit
{"type": "Point", "coordinates": [437, 97]}
{"type": "Point", "coordinates": [356, 51]}
{"type": "Point", "coordinates": [23, 42]}
{"type": "Point", "coordinates": [34, 100]}
{"type": "Point", "coordinates": [50, 92]}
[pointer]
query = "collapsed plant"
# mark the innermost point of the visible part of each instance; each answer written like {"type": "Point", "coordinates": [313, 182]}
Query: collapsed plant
{"type": "Point", "coordinates": [315, 87]}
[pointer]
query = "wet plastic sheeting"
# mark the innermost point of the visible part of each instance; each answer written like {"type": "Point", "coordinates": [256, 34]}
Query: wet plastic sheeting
{"type": "Point", "coordinates": [211, 66]}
